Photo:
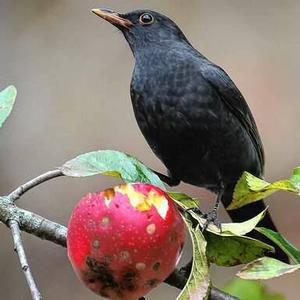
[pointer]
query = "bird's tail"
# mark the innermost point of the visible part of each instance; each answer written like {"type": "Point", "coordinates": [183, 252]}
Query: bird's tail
{"type": "Point", "coordinates": [249, 211]}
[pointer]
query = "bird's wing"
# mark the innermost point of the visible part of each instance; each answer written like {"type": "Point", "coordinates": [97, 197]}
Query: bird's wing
{"type": "Point", "coordinates": [235, 101]}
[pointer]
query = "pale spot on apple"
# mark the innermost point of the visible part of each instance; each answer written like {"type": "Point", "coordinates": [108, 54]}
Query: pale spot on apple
{"type": "Point", "coordinates": [105, 221]}
{"type": "Point", "coordinates": [140, 266]}
{"type": "Point", "coordinates": [151, 228]}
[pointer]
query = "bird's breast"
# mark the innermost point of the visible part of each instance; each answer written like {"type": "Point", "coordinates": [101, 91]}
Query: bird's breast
{"type": "Point", "coordinates": [175, 99]}
{"type": "Point", "coordinates": [187, 124]}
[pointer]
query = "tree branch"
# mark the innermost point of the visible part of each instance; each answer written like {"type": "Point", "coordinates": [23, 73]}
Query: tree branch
{"type": "Point", "coordinates": [178, 280]}
{"type": "Point", "coordinates": [216, 294]}
{"type": "Point", "coordinates": [18, 246]}
{"type": "Point", "coordinates": [36, 224]}
{"type": "Point", "coordinates": [17, 193]}
{"type": "Point", "coordinates": [32, 223]}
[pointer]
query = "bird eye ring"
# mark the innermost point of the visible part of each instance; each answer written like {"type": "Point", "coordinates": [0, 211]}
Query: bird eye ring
{"type": "Point", "coordinates": [146, 19]}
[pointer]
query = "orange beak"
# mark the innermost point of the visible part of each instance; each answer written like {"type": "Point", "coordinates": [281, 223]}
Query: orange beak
{"type": "Point", "coordinates": [112, 17]}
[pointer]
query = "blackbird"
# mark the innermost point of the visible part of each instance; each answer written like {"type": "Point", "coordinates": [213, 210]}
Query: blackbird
{"type": "Point", "coordinates": [190, 112]}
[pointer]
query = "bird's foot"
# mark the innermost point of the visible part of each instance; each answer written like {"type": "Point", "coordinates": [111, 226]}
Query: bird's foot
{"type": "Point", "coordinates": [211, 217]}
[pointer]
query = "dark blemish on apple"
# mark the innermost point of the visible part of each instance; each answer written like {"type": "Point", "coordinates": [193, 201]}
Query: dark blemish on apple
{"type": "Point", "coordinates": [109, 193]}
{"type": "Point", "coordinates": [156, 266]}
{"type": "Point", "coordinates": [101, 271]}
{"type": "Point", "coordinates": [96, 244]}
{"type": "Point", "coordinates": [173, 237]}
{"type": "Point", "coordinates": [152, 282]}
{"type": "Point", "coordinates": [124, 255]}
{"type": "Point", "coordinates": [108, 259]}
{"type": "Point", "coordinates": [129, 279]}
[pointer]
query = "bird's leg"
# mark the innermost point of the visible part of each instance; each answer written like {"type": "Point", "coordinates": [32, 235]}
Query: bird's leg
{"type": "Point", "coordinates": [169, 180]}
{"type": "Point", "coordinates": [212, 216]}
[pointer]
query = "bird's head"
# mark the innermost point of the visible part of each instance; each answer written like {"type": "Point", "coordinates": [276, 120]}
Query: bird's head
{"type": "Point", "coordinates": [144, 29]}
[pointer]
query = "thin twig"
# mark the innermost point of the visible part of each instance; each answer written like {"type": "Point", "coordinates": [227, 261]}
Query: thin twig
{"type": "Point", "coordinates": [18, 246]}
{"type": "Point", "coordinates": [17, 193]}
{"type": "Point", "coordinates": [216, 294]}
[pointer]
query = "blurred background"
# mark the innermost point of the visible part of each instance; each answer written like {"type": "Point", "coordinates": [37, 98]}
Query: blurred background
{"type": "Point", "coordinates": [72, 71]}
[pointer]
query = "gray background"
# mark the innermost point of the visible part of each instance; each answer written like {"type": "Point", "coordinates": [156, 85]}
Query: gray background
{"type": "Point", "coordinates": [72, 71]}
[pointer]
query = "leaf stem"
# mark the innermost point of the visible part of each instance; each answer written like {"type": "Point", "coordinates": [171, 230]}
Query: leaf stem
{"type": "Point", "coordinates": [17, 193]}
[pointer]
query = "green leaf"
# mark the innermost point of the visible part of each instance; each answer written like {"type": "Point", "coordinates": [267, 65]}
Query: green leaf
{"type": "Point", "coordinates": [266, 268]}
{"type": "Point", "coordinates": [187, 204]}
{"type": "Point", "coordinates": [111, 163]}
{"type": "Point", "coordinates": [184, 201]}
{"type": "Point", "coordinates": [250, 290]}
{"type": "Point", "coordinates": [242, 228]}
{"type": "Point", "coordinates": [7, 100]}
{"type": "Point", "coordinates": [295, 178]}
{"type": "Point", "coordinates": [198, 284]}
{"type": "Point", "coordinates": [250, 188]}
{"type": "Point", "coordinates": [227, 229]}
{"type": "Point", "coordinates": [279, 240]}
{"type": "Point", "coordinates": [229, 247]}
{"type": "Point", "coordinates": [234, 250]}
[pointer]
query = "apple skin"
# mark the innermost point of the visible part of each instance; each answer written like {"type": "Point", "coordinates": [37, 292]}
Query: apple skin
{"type": "Point", "coordinates": [124, 241]}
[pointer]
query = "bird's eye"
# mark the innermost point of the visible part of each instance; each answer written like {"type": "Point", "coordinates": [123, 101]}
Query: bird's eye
{"type": "Point", "coordinates": [146, 19]}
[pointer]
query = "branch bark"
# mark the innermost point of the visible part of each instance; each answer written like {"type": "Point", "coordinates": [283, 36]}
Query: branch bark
{"type": "Point", "coordinates": [178, 280]}
{"type": "Point", "coordinates": [216, 294]}
{"type": "Point", "coordinates": [32, 223]}
{"type": "Point", "coordinates": [18, 246]}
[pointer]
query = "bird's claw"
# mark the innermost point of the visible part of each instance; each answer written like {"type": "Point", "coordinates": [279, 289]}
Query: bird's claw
{"type": "Point", "coordinates": [211, 217]}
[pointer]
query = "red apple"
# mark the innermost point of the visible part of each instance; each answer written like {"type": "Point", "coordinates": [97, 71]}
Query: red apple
{"type": "Point", "coordinates": [124, 241]}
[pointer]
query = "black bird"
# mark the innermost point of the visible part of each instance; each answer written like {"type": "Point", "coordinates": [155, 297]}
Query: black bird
{"type": "Point", "coordinates": [191, 113]}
